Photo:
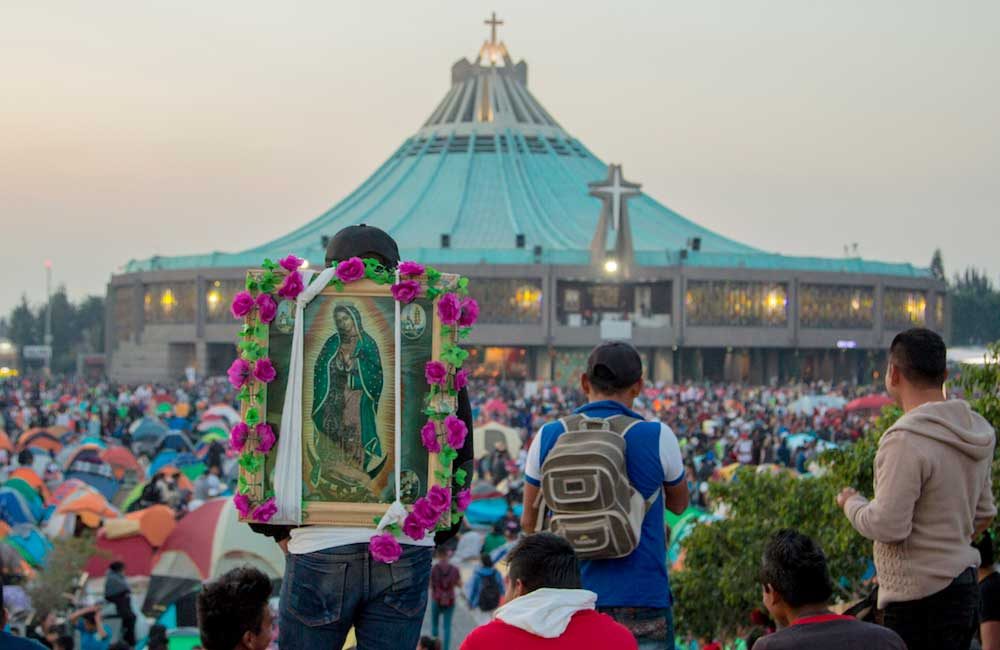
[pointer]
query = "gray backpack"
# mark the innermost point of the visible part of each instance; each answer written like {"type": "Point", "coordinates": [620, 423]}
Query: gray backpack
{"type": "Point", "coordinates": [586, 488]}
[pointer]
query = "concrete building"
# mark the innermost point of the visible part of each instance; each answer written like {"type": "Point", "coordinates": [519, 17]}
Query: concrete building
{"type": "Point", "coordinates": [561, 250]}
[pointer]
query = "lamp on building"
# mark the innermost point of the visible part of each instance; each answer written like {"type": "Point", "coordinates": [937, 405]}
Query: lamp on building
{"type": "Point", "coordinates": [611, 266]}
{"type": "Point", "coordinates": [214, 298]}
{"type": "Point", "coordinates": [168, 301]}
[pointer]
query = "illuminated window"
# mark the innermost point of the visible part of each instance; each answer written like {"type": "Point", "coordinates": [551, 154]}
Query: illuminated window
{"type": "Point", "coordinates": [507, 300]}
{"type": "Point", "coordinates": [218, 297]}
{"type": "Point", "coordinates": [740, 304]}
{"type": "Point", "coordinates": [169, 302]}
{"type": "Point", "coordinates": [902, 308]}
{"type": "Point", "coordinates": [829, 306]}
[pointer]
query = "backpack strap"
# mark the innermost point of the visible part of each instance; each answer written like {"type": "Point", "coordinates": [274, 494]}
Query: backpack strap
{"type": "Point", "coordinates": [622, 424]}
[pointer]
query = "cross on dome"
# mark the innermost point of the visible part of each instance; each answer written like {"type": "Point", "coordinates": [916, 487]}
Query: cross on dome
{"type": "Point", "coordinates": [616, 190]}
{"type": "Point", "coordinates": [493, 23]}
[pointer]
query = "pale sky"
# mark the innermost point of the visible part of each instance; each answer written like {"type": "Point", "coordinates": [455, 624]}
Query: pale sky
{"type": "Point", "coordinates": [156, 127]}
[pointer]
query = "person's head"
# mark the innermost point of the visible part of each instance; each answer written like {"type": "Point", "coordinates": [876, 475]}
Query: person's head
{"type": "Point", "coordinates": [485, 560]}
{"type": "Point", "coordinates": [233, 611]}
{"type": "Point", "coordinates": [542, 560]}
{"type": "Point", "coordinates": [89, 621]}
{"type": "Point", "coordinates": [65, 642]}
{"type": "Point", "coordinates": [793, 575]}
{"type": "Point", "coordinates": [428, 643]}
{"type": "Point", "coordinates": [214, 470]}
{"type": "Point", "coordinates": [363, 241]}
{"type": "Point", "coordinates": [344, 321]}
{"type": "Point", "coordinates": [117, 566]}
{"type": "Point", "coordinates": [119, 645]}
{"type": "Point", "coordinates": [917, 363]}
{"type": "Point", "coordinates": [614, 372]}
{"type": "Point", "coordinates": [441, 554]}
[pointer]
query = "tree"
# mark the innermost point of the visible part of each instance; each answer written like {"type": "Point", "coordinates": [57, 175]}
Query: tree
{"type": "Point", "coordinates": [980, 385]}
{"type": "Point", "coordinates": [63, 566]}
{"type": "Point", "coordinates": [937, 265]}
{"type": "Point", "coordinates": [24, 328]}
{"type": "Point", "coordinates": [975, 314]}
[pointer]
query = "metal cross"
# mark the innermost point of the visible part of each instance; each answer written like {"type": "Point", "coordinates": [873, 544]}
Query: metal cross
{"type": "Point", "coordinates": [493, 22]}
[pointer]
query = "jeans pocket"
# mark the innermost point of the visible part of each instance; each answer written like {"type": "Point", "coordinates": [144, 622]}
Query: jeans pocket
{"type": "Point", "coordinates": [410, 576]}
{"type": "Point", "coordinates": [316, 594]}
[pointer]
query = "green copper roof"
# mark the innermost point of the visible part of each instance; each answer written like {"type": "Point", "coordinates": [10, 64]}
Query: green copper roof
{"type": "Point", "coordinates": [490, 164]}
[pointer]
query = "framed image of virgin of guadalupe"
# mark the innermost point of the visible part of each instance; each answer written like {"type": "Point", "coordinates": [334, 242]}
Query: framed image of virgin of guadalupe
{"type": "Point", "coordinates": [361, 358]}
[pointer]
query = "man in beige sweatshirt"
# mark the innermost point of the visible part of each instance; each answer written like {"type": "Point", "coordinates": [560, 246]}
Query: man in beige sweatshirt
{"type": "Point", "coordinates": [933, 494]}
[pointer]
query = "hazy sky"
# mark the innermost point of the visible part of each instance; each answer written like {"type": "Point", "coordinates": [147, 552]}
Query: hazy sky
{"type": "Point", "coordinates": [130, 128]}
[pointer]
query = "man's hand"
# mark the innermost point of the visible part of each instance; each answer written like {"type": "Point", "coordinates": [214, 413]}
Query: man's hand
{"type": "Point", "coordinates": [844, 495]}
{"type": "Point", "coordinates": [284, 545]}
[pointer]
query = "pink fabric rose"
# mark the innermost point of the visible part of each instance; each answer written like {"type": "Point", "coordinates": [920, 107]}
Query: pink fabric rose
{"type": "Point", "coordinates": [351, 270]}
{"type": "Point", "coordinates": [265, 511]}
{"type": "Point", "coordinates": [385, 548]}
{"type": "Point", "coordinates": [242, 304]}
{"type": "Point", "coordinates": [429, 437]}
{"type": "Point", "coordinates": [455, 432]}
{"type": "Point", "coordinates": [239, 373]}
{"type": "Point", "coordinates": [266, 308]}
{"type": "Point", "coordinates": [439, 497]}
{"type": "Point", "coordinates": [470, 312]}
{"type": "Point", "coordinates": [411, 268]}
{"type": "Point", "coordinates": [436, 373]}
{"type": "Point", "coordinates": [461, 379]}
{"type": "Point", "coordinates": [292, 286]}
{"type": "Point", "coordinates": [462, 500]}
{"type": "Point", "coordinates": [264, 371]}
{"type": "Point", "coordinates": [449, 309]}
{"type": "Point", "coordinates": [290, 263]}
{"type": "Point", "coordinates": [242, 503]}
{"type": "Point", "coordinates": [406, 291]}
{"type": "Point", "coordinates": [425, 514]}
{"type": "Point", "coordinates": [413, 529]}
{"type": "Point", "coordinates": [266, 438]}
{"type": "Point", "coordinates": [238, 436]}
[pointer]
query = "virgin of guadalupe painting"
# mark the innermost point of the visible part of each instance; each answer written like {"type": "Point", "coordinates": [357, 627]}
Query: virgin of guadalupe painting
{"type": "Point", "coordinates": [347, 387]}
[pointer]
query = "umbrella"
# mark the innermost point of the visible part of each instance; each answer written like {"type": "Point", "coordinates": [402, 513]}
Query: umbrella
{"type": "Point", "coordinates": [205, 544]}
{"type": "Point", "coordinates": [148, 428]}
{"type": "Point", "coordinates": [868, 403]}
{"type": "Point", "coordinates": [121, 460]}
{"type": "Point", "coordinates": [224, 411]}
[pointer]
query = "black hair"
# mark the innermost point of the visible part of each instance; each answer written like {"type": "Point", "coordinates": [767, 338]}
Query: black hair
{"type": "Point", "coordinates": [544, 560]}
{"type": "Point", "coordinates": [117, 565]}
{"type": "Point", "coordinates": [921, 356]}
{"type": "Point", "coordinates": [795, 567]}
{"type": "Point", "coordinates": [486, 560]}
{"type": "Point", "coordinates": [986, 550]}
{"type": "Point", "coordinates": [231, 606]}
{"type": "Point", "coordinates": [90, 617]}
{"type": "Point", "coordinates": [603, 380]}
{"type": "Point", "coordinates": [65, 642]}
{"type": "Point", "coordinates": [428, 643]}
{"type": "Point", "coordinates": [119, 645]}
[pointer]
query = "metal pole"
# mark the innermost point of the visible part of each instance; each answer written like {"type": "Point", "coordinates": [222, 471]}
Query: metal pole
{"type": "Point", "coordinates": [48, 313]}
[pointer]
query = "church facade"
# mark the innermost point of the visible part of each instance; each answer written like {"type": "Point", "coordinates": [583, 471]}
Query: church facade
{"type": "Point", "coordinates": [562, 252]}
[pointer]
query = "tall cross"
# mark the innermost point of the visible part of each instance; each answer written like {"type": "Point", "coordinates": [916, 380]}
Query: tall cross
{"type": "Point", "coordinates": [493, 22]}
{"type": "Point", "coordinates": [617, 189]}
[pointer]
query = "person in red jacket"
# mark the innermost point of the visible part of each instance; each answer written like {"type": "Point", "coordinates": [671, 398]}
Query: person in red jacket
{"type": "Point", "coordinates": [546, 609]}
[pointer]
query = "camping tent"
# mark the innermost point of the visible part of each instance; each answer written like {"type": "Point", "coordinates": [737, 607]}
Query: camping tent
{"type": "Point", "coordinates": [14, 508]}
{"type": "Point", "coordinates": [486, 436]}
{"type": "Point", "coordinates": [205, 544]}
{"type": "Point", "coordinates": [33, 546]}
{"type": "Point", "coordinates": [95, 473]}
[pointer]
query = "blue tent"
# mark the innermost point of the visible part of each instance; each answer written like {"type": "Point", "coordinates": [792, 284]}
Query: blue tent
{"type": "Point", "coordinates": [148, 428]}
{"type": "Point", "coordinates": [30, 543]}
{"type": "Point", "coordinates": [179, 424]}
{"type": "Point", "coordinates": [14, 508]}
{"type": "Point", "coordinates": [175, 440]}
{"type": "Point", "coordinates": [486, 512]}
{"type": "Point", "coordinates": [162, 459]}
{"type": "Point", "coordinates": [98, 475]}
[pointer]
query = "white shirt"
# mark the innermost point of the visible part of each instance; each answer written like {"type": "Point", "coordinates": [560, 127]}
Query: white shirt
{"type": "Point", "coordinates": [309, 539]}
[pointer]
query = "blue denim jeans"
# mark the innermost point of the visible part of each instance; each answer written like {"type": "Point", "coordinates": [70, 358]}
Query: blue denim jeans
{"type": "Point", "coordinates": [444, 615]}
{"type": "Point", "coordinates": [325, 594]}
{"type": "Point", "coordinates": [652, 628]}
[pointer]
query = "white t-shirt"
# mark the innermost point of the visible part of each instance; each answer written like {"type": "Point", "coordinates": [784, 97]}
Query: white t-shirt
{"type": "Point", "coordinates": [309, 539]}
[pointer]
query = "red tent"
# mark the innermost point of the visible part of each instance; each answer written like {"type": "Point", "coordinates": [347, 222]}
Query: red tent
{"type": "Point", "coordinates": [868, 403]}
{"type": "Point", "coordinates": [134, 551]}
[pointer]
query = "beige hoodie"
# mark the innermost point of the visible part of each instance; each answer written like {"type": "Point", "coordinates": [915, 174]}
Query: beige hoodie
{"type": "Point", "coordinates": [932, 488]}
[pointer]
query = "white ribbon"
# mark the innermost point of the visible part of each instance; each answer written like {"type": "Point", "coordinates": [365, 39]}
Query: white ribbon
{"type": "Point", "coordinates": [288, 466]}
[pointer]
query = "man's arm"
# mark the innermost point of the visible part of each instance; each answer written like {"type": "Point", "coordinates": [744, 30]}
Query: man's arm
{"type": "Point", "coordinates": [676, 497]}
{"type": "Point", "coordinates": [986, 509]}
{"type": "Point", "coordinates": [532, 485]}
{"type": "Point", "coordinates": [990, 633]}
{"type": "Point", "coordinates": [529, 512]}
{"type": "Point", "coordinates": [675, 489]}
{"type": "Point", "coordinates": [888, 518]}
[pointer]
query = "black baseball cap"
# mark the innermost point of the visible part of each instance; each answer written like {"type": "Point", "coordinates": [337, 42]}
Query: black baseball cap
{"type": "Point", "coordinates": [614, 363]}
{"type": "Point", "coordinates": [363, 240]}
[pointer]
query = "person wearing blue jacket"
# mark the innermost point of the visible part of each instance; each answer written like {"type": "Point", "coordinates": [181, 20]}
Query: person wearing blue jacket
{"type": "Point", "coordinates": [486, 590]}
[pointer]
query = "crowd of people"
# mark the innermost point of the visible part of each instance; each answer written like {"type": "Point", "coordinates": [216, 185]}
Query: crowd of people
{"type": "Point", "coordinates": [582, 530]}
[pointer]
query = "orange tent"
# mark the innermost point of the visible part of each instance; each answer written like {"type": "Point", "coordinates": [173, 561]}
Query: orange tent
{"type": "Point", "coordinates": [40, 438]}
{"type": "Point", "coordinates": [91, 507]}
{"type": "Point", "coordinates": [155, 523]}
{"type": "Point", "coordinates": [183, 482]}
{"type": "Point", "coordinates": [30, 477]}
{"type": "Point", "coordinates": [121, 460]}
{"type": "Point", "coordinates": [5, 442]}
{"type": "Point", "coordinates": [4, 529]}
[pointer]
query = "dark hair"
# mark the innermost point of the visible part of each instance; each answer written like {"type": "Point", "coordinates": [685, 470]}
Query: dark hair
{"type": "Point", "coordinates": [985, 547]}
{"type": "Point", "coordinates": [90, 617]}
{"type": "Point", "coordinates": [119, 645]}
{"type": "Point", "coordinates": [544, 560]}
{"type": "Point", "coordinates": [117, 565]}
{"type": "Point", "coordinates": [428, 643]}
{"type": "Point", "coordinates": [795, 567]}
{"type": "Point", "coordinates": [231, 606]}
{"type": "Point", "coordinates": [65, 642]}
{"type": "Point", "coordinates": [486, 560]}
{"type": "Point", "coordinates": [921, 356]}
